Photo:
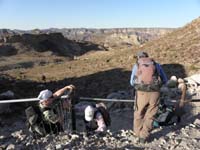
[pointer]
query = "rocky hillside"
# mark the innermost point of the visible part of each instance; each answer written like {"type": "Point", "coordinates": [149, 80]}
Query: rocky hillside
{"type": "Point", "coordinates": [27, 43]}
{"type": "Point", "coordinates": [62, 41]}
{"type": "Point", "coordinates": [182, 46]}
{"type": "Point", "coordinates": [30, 50]}
{"type": "Point", "coordinates": [118, 36]}
{"type": "Point", "coordinates": [107, 37]}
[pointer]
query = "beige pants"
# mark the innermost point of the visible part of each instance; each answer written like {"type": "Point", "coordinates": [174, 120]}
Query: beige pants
{"type": "Point", "coordinates": [145, 110]}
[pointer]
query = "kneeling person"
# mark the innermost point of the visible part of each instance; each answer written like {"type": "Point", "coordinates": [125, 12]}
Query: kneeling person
{"type": "Point", "coordinates": [97, 118]}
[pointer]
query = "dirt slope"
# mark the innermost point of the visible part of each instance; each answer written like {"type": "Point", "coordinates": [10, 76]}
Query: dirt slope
{"type": "Point", "coordinates": [182, 47]}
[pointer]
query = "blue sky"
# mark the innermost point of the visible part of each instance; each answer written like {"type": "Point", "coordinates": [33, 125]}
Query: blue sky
{"type": "Point", "coordinates": [31, 14]}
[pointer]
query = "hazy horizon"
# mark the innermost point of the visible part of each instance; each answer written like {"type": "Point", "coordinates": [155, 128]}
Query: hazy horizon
{"type": "Point", "coordinates": [91, 28]}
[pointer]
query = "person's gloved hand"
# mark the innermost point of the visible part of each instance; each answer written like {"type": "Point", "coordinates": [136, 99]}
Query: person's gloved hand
{"type": "Point", "coordinates": [69, 89]}
{"type": "Point", "coordinates": [72, 86]}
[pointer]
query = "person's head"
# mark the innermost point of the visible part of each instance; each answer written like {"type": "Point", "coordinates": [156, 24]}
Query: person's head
{"type": "Point", "coordinates": [141, 54]}
{"type": "Point", "coordinates": [89, 113]}
{"type": "Point", "coordinates": [172, 83]}
{"type": "Point", "coordinates": [45, 97]}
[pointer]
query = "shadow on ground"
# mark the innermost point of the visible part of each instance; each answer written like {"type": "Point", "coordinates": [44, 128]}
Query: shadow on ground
{"type": "Point", "coordinates": [175, 69]}
{"type": "Point", "coordinates": [95, 85]}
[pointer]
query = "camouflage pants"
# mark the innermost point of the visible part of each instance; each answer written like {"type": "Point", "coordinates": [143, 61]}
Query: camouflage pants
{"type": "Point", "coordinates": [145, 109]}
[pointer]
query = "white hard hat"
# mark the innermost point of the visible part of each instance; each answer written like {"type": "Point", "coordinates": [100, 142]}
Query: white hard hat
{"type": "Point", "coordinates": [89, 113]}
{"type": "Point", "coordinates": [44, 95]}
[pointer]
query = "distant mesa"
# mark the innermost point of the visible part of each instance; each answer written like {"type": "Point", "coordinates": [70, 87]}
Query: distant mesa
{"type": "Point", "coordinates": [73, 42]}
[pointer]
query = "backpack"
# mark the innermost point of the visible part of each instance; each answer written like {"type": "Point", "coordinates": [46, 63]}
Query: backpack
{"type": "Point", "coordinates": [147, 77]}
{"type": "Point", "coordinates": [103, 110]}
{"type": "Point", "coordinates": [165, 116]}
{"type": "Point", "coordinates": [36, 123]}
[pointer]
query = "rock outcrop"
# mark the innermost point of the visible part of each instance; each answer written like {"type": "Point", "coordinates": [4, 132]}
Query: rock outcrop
{"type": "Point", "coordinates": [54, 42]}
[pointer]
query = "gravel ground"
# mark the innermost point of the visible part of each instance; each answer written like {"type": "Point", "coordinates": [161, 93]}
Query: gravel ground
{"type": "Point", "coordinates": [186, 135]}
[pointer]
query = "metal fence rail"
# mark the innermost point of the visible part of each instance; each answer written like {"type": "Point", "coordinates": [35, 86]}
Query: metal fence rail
{"type": "Point", "coordinates": [106, 99]}
{"type": "Point", "coordinates": [25, 100]}
{"type": "Point", "coordinates": [85, 99]}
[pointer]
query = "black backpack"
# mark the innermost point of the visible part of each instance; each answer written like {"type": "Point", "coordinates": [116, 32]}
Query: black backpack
{"type": "Point", "coordinates": [166, 115]}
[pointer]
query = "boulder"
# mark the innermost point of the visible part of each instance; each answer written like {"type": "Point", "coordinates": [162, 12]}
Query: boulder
{"type": "Point", "coordinates": [195, 78]}
{"type": "Point", "coordinates": [5, 108]}
{"type": "Point", "coordinates": [7, 94]}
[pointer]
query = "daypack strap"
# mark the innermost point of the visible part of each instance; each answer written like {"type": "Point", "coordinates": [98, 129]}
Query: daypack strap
{"type": "Point", "coordinates": [136, 99]}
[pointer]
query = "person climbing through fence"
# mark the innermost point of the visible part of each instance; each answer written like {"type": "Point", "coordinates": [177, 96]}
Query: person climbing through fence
{"type": "Point", "coordinates": [48, 117]}
{"type": "Point", "coordinates": [96, 118]}
{"type": "Point", "coordinates": [147, 78]}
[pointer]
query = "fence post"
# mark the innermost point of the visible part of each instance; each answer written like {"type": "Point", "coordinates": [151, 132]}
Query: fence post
{"type": "Point", "coordinates": [73, 112]}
